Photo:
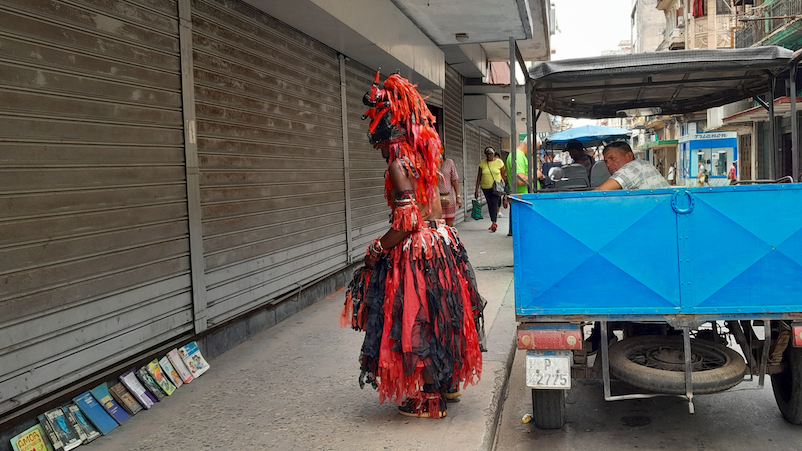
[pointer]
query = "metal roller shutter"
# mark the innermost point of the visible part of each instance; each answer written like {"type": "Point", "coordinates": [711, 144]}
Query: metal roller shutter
{"type": "Point", "coordinates": [369, 210]}
{"type": "Point", "coordinates": [94, 254]}
{"type": "Point", "coordinates": [475, 155]}
{"type": "Point", "coordinates": [454, 129]}
{"type": "Point", "coordinates": [271, 157]}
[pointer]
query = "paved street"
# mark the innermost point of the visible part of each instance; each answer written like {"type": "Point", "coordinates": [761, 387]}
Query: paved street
{"type": "Point", "coordinates": [738, 419]}
{"type": "Point", "coordinates": [294, 387]}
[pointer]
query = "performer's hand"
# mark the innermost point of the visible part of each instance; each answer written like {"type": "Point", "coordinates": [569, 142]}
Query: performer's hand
{"type": "Point", "coordinates": [370, 262]}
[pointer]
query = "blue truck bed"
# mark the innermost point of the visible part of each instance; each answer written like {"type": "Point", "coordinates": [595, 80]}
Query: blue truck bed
{"type": "Point", "coordinates": [720, 251]}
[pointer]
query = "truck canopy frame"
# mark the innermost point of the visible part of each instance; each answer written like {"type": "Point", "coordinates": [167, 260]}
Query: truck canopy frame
{"type": "Point", "coordinates": [676, 82]}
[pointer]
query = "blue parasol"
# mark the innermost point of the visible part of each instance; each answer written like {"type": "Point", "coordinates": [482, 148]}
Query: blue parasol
{"type": "Point", "coordinates": [588, 135]}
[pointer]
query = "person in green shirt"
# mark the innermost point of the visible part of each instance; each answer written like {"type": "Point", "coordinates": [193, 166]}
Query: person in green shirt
{"type": "Point", "coordinates": [522, 164]}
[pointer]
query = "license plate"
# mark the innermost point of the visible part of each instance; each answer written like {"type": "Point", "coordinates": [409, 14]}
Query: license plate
{"type": "Point", "coordinates": [548, 369]}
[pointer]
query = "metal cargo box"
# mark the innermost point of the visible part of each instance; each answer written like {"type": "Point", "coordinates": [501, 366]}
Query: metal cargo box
{"type": "Point", "coordinates": [720, 250]}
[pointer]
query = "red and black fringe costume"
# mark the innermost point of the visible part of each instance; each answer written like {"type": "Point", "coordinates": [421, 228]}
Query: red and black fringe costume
{"type": "Point", "coordinates": [418, 307]}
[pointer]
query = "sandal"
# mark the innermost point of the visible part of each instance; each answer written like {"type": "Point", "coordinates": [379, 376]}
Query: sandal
{"type": "Point", "coordinates": [453, 396]}
{"type": "Point", "coordinates": [429, 405]}
{"type": "Point", "coordinates": [493, 228]}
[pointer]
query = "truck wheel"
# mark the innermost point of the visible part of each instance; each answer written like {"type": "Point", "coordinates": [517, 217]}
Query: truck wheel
{"type": "Point", "coordinates": [657, 363]}
{"type": "Point", "coordinates": [787, 386]}
{"type": "Point", "coordinates": [548, 408]}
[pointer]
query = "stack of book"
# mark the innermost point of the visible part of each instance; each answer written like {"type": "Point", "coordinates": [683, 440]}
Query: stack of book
{"type": "Point", "coordinates": [107, 406]}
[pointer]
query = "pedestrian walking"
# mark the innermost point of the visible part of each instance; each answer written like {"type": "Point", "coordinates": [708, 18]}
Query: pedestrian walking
{"type": "Point", "coordinates": [413, 299]}
{"type": "Point", "coordinates": [448, 184]}
{"type": "Point", "coordinates": [733, 174]}
{"type": "Point", "coordinates": [491, 173]}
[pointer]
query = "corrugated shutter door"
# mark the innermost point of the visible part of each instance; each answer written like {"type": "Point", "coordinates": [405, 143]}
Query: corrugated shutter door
{"type": "Point", "coordinates": [452, 118]}
{"type": "Point", "coordinates": [94, 264]}
{"type": "Point", "coordinates": [370, 213]}
{"type": "Point", "coordinates": [270, 152]}
{"type": "Point", "coordinates": [475, 155]}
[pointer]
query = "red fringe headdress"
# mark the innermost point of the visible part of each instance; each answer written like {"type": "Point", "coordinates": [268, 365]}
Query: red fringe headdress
{"type": "Point", "coordinates": [400, 119]}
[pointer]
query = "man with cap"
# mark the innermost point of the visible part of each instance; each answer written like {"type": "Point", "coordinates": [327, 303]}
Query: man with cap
{"type": "Point", "coordinates": [577, 151]}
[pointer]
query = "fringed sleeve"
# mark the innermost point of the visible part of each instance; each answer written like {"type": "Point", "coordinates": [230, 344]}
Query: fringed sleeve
{"type": "Point", "coordinates": [406, 216]}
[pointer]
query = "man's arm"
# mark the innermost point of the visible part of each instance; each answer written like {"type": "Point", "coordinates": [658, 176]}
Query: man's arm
{"type": "Point", "coordinates": [608, 185]}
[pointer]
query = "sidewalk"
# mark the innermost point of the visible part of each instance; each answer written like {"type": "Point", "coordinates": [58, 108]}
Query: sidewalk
{"type": "Point", "coordinates": [294, 386]}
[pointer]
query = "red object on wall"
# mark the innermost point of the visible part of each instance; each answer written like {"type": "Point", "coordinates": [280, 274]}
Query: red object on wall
{"type": "Point", "coordinates": [698, 8]}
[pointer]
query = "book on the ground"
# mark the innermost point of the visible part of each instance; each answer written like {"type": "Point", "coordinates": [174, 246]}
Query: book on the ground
{"type": "Point", "coordinates": [73, 421]}
{"type": "Point", "coordinates": [124, 398]}
{"type": "Point", "coordinates": [156, 371]}
{"type": "Point", "coordinates": [33, 439]}
{"type": "Point", "coordinates": [66, 434]}
{"type": "Point", "coordinates": [86, 425]}
{"type": "Point", "coordinates": [51, 433]}
{"type": "Point", "coordinates": [170, 372]}
{"type": "Point", "coordinates": [149, 383]}
{"type": "Point", "coordinates": [102, 395]}
{"type": "Point", "coordinates": [142, 395]}
{"type": "Point", "coordinates": [180, 366]}
{"type": "Point", "coordinates": [193, 359]}
{"type": "Point", "coordinates": [95, 412]}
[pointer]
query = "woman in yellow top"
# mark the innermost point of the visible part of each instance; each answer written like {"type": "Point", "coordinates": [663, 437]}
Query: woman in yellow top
{"type": "Point", "coordinates": [490, 170]}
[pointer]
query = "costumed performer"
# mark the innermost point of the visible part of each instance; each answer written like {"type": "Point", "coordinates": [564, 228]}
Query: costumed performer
{"type": "Point", "coordinates": [414, 298]}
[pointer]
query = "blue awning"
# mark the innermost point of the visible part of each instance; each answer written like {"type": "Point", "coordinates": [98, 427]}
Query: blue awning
{"type": "Point", "coordinates": [588, 135]}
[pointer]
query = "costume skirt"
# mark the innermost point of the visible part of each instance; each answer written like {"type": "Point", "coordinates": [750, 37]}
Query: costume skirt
{"type": "Point", "coordinates": [419, 309]}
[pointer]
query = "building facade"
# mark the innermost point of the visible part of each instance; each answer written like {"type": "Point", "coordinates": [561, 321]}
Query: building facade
{"type": "Point", "coordinates": [179, 170]}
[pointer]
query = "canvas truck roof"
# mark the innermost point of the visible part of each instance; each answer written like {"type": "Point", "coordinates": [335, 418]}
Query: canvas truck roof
{"type": "Point", "coordinates": [675, 81]}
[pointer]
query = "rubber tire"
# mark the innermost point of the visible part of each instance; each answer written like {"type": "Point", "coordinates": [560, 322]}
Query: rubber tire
{"type": "Point", "coordinates": [787, 386]}
{"type": "Point", "coordinates": [548, 408]}
{"type": "Point", "coordinates": [673, 382]}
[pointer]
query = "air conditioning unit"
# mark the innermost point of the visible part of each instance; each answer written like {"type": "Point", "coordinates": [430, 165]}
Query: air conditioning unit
{"type": "Point", "coordinates": [680, 21]}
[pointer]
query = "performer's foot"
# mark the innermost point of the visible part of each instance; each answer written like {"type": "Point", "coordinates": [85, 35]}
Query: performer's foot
{"type": "Point", "coordinates": [453, 396]}
{"type": "Point", "coordinates": [429, 405]}
{"type": "Point", "coordinates": [493, 228]}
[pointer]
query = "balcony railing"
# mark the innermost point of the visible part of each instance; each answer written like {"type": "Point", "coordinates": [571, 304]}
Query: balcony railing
{"type": "Point", "coordinates": [783, 12]}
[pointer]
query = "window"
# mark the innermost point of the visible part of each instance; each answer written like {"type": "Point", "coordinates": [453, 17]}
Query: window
{"type": "Point", "coordinates": [720, 162]}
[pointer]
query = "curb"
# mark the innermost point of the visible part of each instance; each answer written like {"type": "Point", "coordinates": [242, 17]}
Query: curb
{"type": "Point", "coordinates": [501, 346]}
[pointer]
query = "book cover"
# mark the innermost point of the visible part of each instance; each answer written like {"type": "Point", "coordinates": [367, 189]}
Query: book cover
{"type": "Point", "coordinates": [95, 412]}
{"type": "Point", "coordinates": [124, 398]}
{"type": "Point", "coordinates": [170, 372]}
{"type": "Point", "coordinates": [193, 359]}
{"type": "Point", "coordinates": [142, 395]}
{"type": "Point", "coordinates": [179, 366]}
{"type": "Point", "coordinates": [51, 433]}
{"type": "Point", "coordinates": [102, 395]}
{"type": "Point", "coordinates": [66, 434]}
{"type": "Point", "coordinates": [33, 439]}
{"type": "Point", "coordinates": [149, 383]}
{"type": "Point", "coordinates": [73, 421]}
{"type": "Point", "coordinates": [156, 371]}
{"type": "Point", "coordinates": [87, 426]}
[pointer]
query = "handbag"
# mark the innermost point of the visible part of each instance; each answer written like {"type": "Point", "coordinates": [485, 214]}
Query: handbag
{"type": "Point", "coordinates": [499, 188]}
{"type": "Point", "coordinates": [476, 210]}
{"type": "Point", "coordinates": [445, 199]}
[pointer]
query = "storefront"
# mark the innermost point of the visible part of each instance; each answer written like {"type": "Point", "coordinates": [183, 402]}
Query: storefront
{"type": "Point", "coordinates": [712, 151]}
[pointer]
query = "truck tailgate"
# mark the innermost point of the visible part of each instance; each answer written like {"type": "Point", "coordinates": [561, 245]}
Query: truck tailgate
{"type": "Point", "coordinates": [719, 250]}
